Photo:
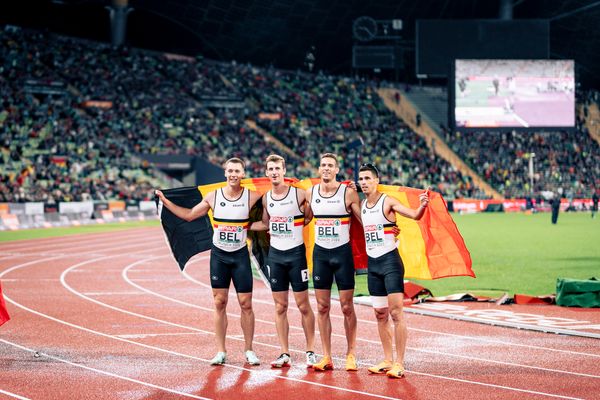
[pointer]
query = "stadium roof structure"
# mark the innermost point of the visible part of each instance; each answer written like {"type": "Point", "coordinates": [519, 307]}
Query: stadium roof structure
{"type": "Point", "coordinates": [281, 32]}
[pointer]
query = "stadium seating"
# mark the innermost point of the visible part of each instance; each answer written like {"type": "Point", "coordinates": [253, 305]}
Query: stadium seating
{"type": "Point", "coordinates": [76, 115]}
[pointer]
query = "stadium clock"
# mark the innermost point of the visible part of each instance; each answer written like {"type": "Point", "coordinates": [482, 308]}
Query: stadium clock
{"type": "Point", "coordinates": [364, 28]}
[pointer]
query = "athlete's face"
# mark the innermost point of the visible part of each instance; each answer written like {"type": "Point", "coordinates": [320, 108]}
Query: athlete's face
{"type": "Point", "coordinates": [368, 182]}
{"type": "Point", "coordinates": [328, 169]}
{"type": "Point", "coordinates": [234, 173]}
{"type": "Point", "coordinates": [275, 172]}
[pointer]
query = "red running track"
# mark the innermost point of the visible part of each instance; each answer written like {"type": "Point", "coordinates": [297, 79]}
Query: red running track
{"type": "Point", "coordinates": [109, 316]}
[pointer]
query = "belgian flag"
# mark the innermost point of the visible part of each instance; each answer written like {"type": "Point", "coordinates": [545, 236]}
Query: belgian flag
{"type": "Point", "coordinates": [430, 248]}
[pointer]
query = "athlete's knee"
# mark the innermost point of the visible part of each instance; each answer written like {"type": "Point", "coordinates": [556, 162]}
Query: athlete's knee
{"type": "Point", "coordinates": [396, 314]}
{"type": "Point", "coordinates": [220, 302]}
{"type": "Point", "coordinates": [323, 308]}
{"type": "Point", "coordinates": [348, 308]}
{"type": "Point", "coordinates": [246, 305]}
{"type": "Point", "coordinates": [304, 308]}
{"type": "Point", "coordinates": [281, 308]}
{"type": "Point", "coordinates": [382, 314]}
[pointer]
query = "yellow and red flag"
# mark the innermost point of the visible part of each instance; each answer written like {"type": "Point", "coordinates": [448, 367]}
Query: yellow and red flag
{"type": "Point", "coordinates": [430, 248]}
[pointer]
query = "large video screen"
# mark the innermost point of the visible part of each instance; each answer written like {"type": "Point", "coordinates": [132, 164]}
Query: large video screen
{"type": "Point", "coordinates": [515, 94]}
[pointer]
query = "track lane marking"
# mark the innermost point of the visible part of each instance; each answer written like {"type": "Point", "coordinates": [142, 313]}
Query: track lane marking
{"type": "Point", "coordinates": [264, 372]}
{"type": "Point", "coordinates": [102, 372]}
{"type": "Point", "coordinates": [484, 360]}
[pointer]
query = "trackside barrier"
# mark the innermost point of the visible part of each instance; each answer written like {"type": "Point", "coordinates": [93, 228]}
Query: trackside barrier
{"type": "Point", "coordinates": [15, 216]}
{"type": "Point", "coordinates": [515, 205]}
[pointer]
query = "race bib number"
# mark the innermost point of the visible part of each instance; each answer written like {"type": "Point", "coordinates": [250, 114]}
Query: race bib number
{"type": "Point", "coordinates": [328, 230]}
{"type": "Point", "coordinates": [230, 235]}
{"type": "Point", "coordinates": [304, 273]}
{"type": "Point", "coordinates": [374, 235]}
{"type": "Point", "coordinates": [281, 227]}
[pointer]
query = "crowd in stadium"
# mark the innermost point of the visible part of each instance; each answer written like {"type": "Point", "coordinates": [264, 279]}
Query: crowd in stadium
{"type": "Point", "coordinates": [77, 115]}
{"type": "Point", "coordinates": [566, 162]}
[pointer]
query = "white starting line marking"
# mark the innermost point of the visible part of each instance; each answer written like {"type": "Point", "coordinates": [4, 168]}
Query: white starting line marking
{"type": "Point", "coordinates": [145, 335]}
{"type": "Point", "coordinates": [509, 318]}
{"type": "Point", "coordinates": [112, 293]}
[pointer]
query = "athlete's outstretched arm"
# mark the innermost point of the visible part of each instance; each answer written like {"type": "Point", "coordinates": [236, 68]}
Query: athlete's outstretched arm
{"type": "Point", "coordinates": [188, 214]}
{"type": "Point", "coordinates": [411, 213]}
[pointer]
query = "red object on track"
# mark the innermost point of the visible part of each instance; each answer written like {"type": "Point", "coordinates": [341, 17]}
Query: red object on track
{"type": "Point", "coordinates": [3, 311]}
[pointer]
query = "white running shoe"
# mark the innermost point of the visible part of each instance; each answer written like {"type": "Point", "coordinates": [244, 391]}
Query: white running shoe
{"type": "Point", "coordinates": [219, 359]}
{"type": "Point", "coordinates": [311, 359]}
{"type": "Point", "coordinates": [283, 360]}
{"type": "Point", "coordinates": [251, 358]}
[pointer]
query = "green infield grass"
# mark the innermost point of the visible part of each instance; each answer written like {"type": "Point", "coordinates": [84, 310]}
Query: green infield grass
{"type": "Point", "coordinates": [512, 252]}
{"type": "Point", "coordinates": [521, 253]}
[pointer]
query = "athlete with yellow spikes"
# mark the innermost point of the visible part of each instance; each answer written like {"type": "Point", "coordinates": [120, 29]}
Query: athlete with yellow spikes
{"type": "Point", "coordinates": [385, 269]}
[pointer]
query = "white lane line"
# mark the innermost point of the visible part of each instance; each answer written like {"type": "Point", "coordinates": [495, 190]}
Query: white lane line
{"type": "Point", "coordinates": [358, 338]}
{"type": "Point", "coordinates": [454, 335]}
{"type": "Point", "coordinates": [111, 293]}
{"type": "Point", "coordinates": [504, 343]}
{"type": "Point", "coordinates": [521, 120]}
{"type": "Point", "coordinates": [102, 372]}
{"type": "Point", "coordinates": [187, 356]}
{"type": "Point", "coordinates": [67, 250]}
{"type": "Point", "coordinates": [64, 241]}
{"type": "Point", "coordinates": [68, 287]}
{"type": "Point", "coordinates": [16, 396]}
{"type": "Point", "coordinates": [108, 246]}
{"type": "Point", "coordinates": [63, 276]}
{"type": "Point", "coordinates": [147, 335]}
{"type": "Point", "coordinates": [232, 366]}
{"type": "Point", "coordinates": [139, 344]}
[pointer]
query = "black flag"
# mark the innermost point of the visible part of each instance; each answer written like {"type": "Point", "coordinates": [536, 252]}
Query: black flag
{"type": "Point", "coordinates": [186, 239]}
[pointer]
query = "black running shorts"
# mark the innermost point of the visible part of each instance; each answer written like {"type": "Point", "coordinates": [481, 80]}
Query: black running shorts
{"type": "Point", "coordinates": [330, 263]}
{"type": "Point", "coordinates": [386, 274]}
{"type": "Point", "coordinates": [233, 266]}
{"type": "Point", "coordinates": [288, 267]}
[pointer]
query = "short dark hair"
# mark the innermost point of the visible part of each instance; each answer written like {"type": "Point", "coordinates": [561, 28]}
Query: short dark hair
{"type": "Point", "coordinates": [369, 167]}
